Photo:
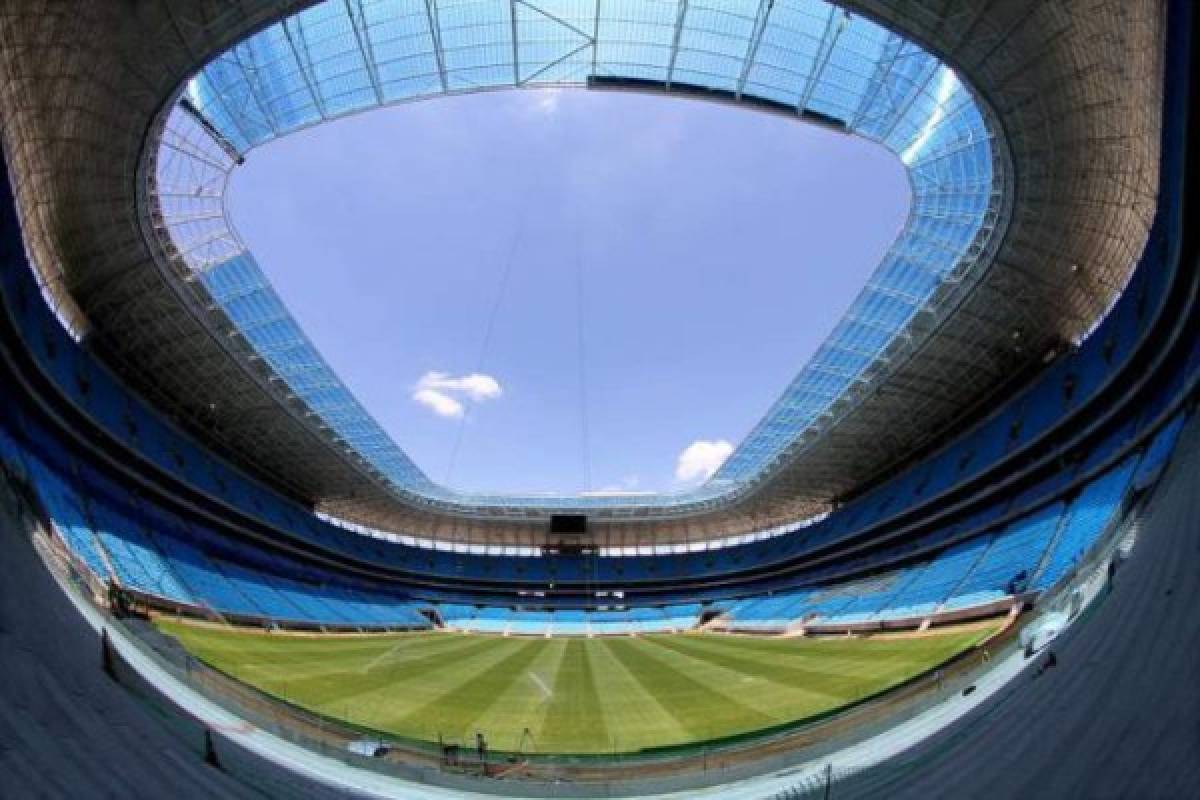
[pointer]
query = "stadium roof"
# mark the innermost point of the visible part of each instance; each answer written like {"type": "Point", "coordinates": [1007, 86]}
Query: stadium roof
{"type": "Point", "coordinates": [1030, 150]}
{"type": "Point", "coordinates": [813, 60]}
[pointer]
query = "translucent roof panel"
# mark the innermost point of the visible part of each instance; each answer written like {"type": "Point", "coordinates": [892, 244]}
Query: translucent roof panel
{"type": "Point", "coordinates": [803, 57]}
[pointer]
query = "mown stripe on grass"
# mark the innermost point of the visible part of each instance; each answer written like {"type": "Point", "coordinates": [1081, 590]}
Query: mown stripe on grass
{"type": "Point", "coordinates": [777, 701]}
{"type": "Point", "coordinates": [364, 661]}
{"type": "Point", "coordinates": [799, 650]}
{"type": "Point", "coordinates": [701, 708]}
{"type": "Point", "coordinates": [574, 719]}
{"type": "Point", "coordinates": [476, 685]}
{"type": "Point", "coordinates": [850, 652]}
{"type": "Point", "coordinates": [524, 703]}
{"type": "Point", "coordinates": [634, 717]}
{"type": "Point", "coordinates": [610, 694]}
{"type": "Point", "coordinates": [272, 661]}
{"type": "Point", "coordinates": [849, 673]}
{"type": "Point", "coordinates": [379, 706]}
{"type": "Point", "coordinates": [892, 659]}
{"type": "Point", "coordinates": [236, 640]}
{"type": "Point", "coordinates": [344, 681]}
{"type": "Point", "coordinates": [829, 686]}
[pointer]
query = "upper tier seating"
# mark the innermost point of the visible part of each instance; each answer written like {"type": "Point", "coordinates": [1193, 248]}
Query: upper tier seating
{"type": "Point", "coordinates": [1063, 388]}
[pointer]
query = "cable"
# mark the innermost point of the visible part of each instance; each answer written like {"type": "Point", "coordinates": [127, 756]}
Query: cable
{"type": "Point", "coordinates": [489, 328]}
{"type": "Point", "coordinates": [583, 401]}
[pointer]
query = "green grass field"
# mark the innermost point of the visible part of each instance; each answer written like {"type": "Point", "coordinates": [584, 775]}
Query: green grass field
{"type": "Point", "coordinates": [574, 695]}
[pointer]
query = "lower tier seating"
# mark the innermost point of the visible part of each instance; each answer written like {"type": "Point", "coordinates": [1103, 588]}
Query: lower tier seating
{"type": "Point", "coordinates": [162, 557]}
{"type": "Point", "coordinates": [1032, 553]}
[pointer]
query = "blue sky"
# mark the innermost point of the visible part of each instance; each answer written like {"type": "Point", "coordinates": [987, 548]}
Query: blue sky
{"type": "Point", "coordinates": [568, 290]}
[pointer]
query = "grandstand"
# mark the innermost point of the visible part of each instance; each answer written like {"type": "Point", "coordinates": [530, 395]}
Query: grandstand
{"type": "Point", "coordinates": [1001, 421]}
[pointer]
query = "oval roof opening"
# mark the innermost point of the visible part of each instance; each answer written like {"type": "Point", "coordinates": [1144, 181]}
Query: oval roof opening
{"type": "Point", "coordinates": [803, 59]}
{"type": "Point", "coordinates": [567, 291]}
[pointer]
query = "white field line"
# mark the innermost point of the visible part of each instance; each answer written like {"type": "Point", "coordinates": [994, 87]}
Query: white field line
{"type": "Point", "coordinates": [379, 659]}
{"type": "Point", "coordinates": [541, 684]}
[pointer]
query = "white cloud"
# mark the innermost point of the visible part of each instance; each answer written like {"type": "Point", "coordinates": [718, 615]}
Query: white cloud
{"type": "Point", "coordinates": [443, 394]}
{"type": "Point", "coordinates": [476, 386]}
{"type": "Point", "coordinates": [441, 404]}
{"type": "Point", "coordinates": [700, 459]}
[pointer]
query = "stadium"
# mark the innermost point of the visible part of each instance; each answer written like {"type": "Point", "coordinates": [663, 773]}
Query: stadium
{"type": "Point", "coordinates": [956, 557]}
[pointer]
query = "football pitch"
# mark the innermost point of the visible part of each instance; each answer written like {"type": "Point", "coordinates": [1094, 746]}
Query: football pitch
{"type": "Point", "coordinates": [567, 695]}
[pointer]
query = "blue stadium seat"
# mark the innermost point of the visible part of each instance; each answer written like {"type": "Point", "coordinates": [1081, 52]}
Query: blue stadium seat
{"type": "Point", "coordinates": [1014, 551]}
{"type": "Point", "coordinates": [1086, 519]}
